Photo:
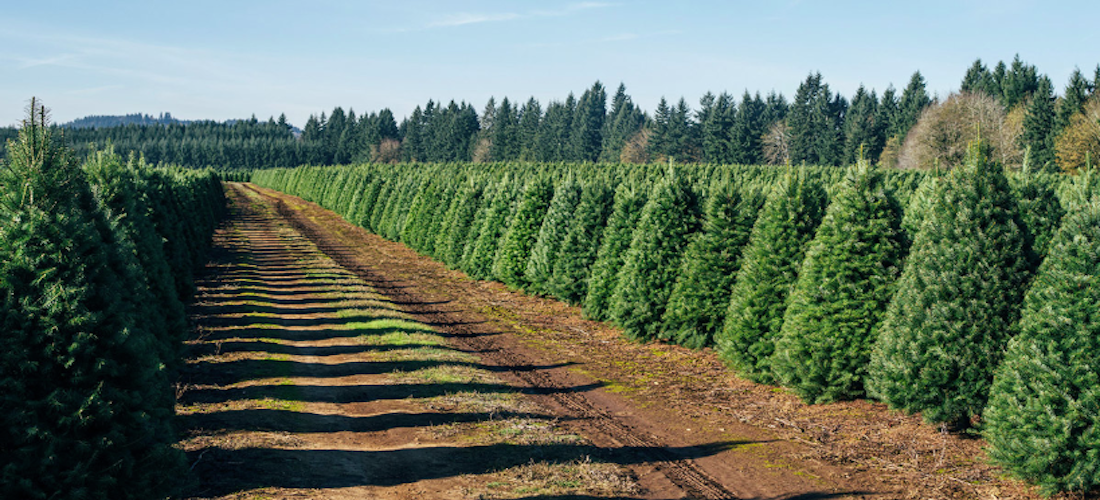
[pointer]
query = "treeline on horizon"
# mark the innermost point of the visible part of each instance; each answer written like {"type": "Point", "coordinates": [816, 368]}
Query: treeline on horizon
{"type": "Point", "coordinates": [818, 126]}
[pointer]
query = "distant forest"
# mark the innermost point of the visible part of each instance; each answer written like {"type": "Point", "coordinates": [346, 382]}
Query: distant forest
{"type": "Point", "coordinates": [1011, 105]}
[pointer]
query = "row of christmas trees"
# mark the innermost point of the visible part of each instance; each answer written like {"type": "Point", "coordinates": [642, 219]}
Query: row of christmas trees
{"type": "Point", "coordinates": [837, 283]}
{"type": "Point", "coordinates": [95, 265]}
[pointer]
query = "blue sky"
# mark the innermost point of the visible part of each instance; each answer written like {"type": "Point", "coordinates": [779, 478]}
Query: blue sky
{"type": "Point", "coordinates": [234, 58]}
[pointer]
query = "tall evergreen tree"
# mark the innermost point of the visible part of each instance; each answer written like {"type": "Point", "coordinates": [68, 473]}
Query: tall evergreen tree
{"type": "Point", "coordinates": [1019, 83]}
{"type": "Point", "coordinates": [696, 308]}
{"type": "Point", "coordinates": [1073, 99]}
{"type": "Point", "coordinates": [843, 288]}
{"type": "Point", "coordinates": [588, 124]}
{"type": "Point", "coordinates": [749, 125]}
{"type": "Point", "coordinates": [1043, 418]}
{"type": "Point", "coordinates": [651, 264]}
{"type": "Point", "coordinates": [769, 269]}
{"type": "Point", "coordinates": [615, 242]}
{"type": "Point", "coordinates": [505, 135]}
{"type": "Point", "coordinates": [978, 79]}
{"type": "Point", "coordinates": [958, 299]}
{"type": "Point", "coordinates": [530, 117]}
{"type": "Point", "coordinates": [815, 120]}
{"type": "Point", "coordinates": [716, 128]}
{"type": "Point", "coordinates": [1039, 122]}
{"type": "Point", "coordinates": [913, 101]}
{"type": "Point", "coordinates": [864, 136]}
{"type": "Point", "coordinates": [623, 121]}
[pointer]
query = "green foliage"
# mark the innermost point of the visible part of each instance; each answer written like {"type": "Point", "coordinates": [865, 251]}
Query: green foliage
{"type": "Point", "coordinates": [515, 247]}
{"type": "Point", "coordinates": [88, 406]}
{"type": "Point", "coordinates": [618, 234]}
{"type": "Point", "coordinates": [958, 299]}
{"type": "Point", "coordinates": [555, 226]}
{"type": "Point", "coordinates": [769, 269]}
{"type": "Point", "coordinates": [843, 288]}
{"type": "Point", "coordinates": [1039, 208]}
{"type": "Point", "coordinates": [697, 306]}
{"type": "Point", "coordinates": [478, 261]}
{"type": "Point", "coordinates": [651, 264]}
{"type": "Point", "coordinates": [573, 264]}
{"type": "Point", "coordinates": [1043, 418]}
{"type": "Point", "coordinates": [458, 222]}
{"type": "Point", "coordinates": [1039, 128]}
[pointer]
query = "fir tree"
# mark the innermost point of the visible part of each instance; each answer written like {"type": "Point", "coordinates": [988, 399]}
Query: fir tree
{"type": "Point", "coordinates": [769, 268]}
{"type": "Point", "coordinates": [517, 242]}
{"type": "Point", "coordinates": [555, 226]}
{"type": "Point", "coordinates": [623, 121]}
{"type": "Point", "coordinates": [1039, 122]}
{"type": "Point", "coordinates": [1073, 99]}
{"type": "Point", "coordinates": [573, 264]}
{"type": "Point", "coordinates": [615, 242]}
{"type": "Point", "coordinates": [588, 124]}
{"type": "Point", "coordinates": [1039, 208]}
{"type": "Point", "coordinates": [716, 126]}
{"type": "Point", "coordinates": [958, 299]}
{"type": "Point", "coordinates": [651, 264]}
{"type": "Point", "coordinates": [86, 411]}
{"type": "Point", "coordinates": [913, 101]}
{"type": "Point", "coordinates": [458, 223]}
{"type": "Point", "coordinates": [697, 306]}
{"type": "Point", "coordinates": [490, 225]}
{"type": "Point", "coordinates": [843, 288]}
{"type": "Point", "coordinates": [864, 136]}
{"type": "Point", "coordinates": [749, 125]}
{"type": "Point", "coordinates": [1043, 418]}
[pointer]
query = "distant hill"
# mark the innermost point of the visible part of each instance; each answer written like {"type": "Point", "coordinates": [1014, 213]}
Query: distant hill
{"type": "Point", "coordinates": [98, 121]}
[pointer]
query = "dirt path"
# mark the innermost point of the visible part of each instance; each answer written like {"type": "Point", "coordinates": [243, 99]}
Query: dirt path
{"type": "Point", "coordinates": [541, 398]}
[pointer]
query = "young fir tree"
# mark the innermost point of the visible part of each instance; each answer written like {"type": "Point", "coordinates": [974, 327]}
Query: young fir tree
{"type": "Point", "coordinates": [573, 264]}
{"type": "Point", "coordinates": [843, 288]}
{"type": "Point", "coordinates": [651, 264]}
{"type": "Point", "coordinates": [616, 239]}
{"type": "Point", "coordinates": [84, 402]}
{"type": "Point", "coordinates": [769, 268]}
{"type": "Point", "coordinates": [490, 227]}
{"type": "Point", "coordinates": [516, 245]}
{"type": "Point", "coordinates": [1039, 207]}
{"type": "Point", "coordinates": [458, 222]}
{"type": "Point", "coordinates": [1043, 418]}
{"type": "Point", "coordinates": [957, 302]}
{"type": "Point", "coordinates": [555, 225]}
{"type": "Point", "coordinates": [920, 203]}
{"type": "Point", "coordinates": [697, 306]}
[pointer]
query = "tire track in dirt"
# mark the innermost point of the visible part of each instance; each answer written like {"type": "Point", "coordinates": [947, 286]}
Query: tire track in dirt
{"type": "Point", "coordinates": [603, 418]}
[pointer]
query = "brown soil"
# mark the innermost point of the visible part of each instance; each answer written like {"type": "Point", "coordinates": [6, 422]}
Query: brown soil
{"type": "Point", "coordinates": [651, 420]}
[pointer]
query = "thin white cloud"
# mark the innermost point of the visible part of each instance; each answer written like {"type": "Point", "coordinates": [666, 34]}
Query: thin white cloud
{"type": "Point", "coordinates": [468, 18]}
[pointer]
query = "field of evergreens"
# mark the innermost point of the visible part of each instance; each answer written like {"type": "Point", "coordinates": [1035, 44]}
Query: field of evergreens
{"type": "Point", "coordinates": [838, 283]}
{"type": "Point", "coordinates": [96, 259]}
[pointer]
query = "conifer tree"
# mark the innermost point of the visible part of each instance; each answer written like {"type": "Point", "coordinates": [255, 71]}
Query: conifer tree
{"type": "Point", "coordinates": [958, 299]}
{"type": "Point", "coordinates": [618, 234]}
{"type": "Point", "coordinates": [863, 134]}
{"type": "Point", "coordinates": [1039, 123]}
{"type": "Point", "coordinates": [1073, 99]}
{"type": "Point", "coordinates": [588, 124]}
{"type": "Point", "coordinates": [516, 244]}
{"type": "Point", "coordinates": [85, 413]}
{"type": "Point", "coordinates": [458, 222]}
{"type": "Point", "coordinates": [697, 306]}
{"type": "Point", "coordinates": [555, 226]}
{"type": "Point", "coordinates": [573, 264]}
{"type": "Point", "coordinates": [769, 268]}
{"type": "Point", "coordinates": [1040, 210]}
{"type": "Point", "coordinates": [716, 123]}
{"type": "Point", "coordinates": [1043, 418]}
{"type": "Point", "coordinates": [478, 261]}
{"type": "Point", "coordinates": [651, 264]}
{"type": "Point", "coordinates": [913, 101]}
{"type": "Point", "coordinates": [843, 288]}
{"type": "Point", "coordinates": [749, 125]}
{"type": "Point", "coordinates": [622, 122]}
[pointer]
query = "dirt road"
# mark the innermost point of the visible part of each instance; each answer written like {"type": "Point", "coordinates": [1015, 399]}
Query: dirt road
{"type": "Point", "coordinates": [334, 364]}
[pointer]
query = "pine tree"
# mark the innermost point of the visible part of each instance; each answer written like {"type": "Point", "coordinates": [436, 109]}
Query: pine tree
{"type": "Point", "coordinates": [458, 223]}
{"type": "Point", "coordinates": [517, 242]}
{"type": "Point", "coordinates": [749, 125]}
{"type": "Point", "coordinates": [1040, 210]}
{"type": "Point", "coordinates": [843, 288]}
{"type": "Point", "coordinates": [958, 299]}
{"type": "Point", "coordinates": [1043, 418]}
{"type": "Point", "coordinates": [913, 101]}
{"type": "Point", "coordinates": [697, 306]}
{"type": "Point", "coordinates": [769, 268]}
{"type": "Point", "coordinates": [1019, 83]}
{"type": "Point", "coordinates": [490, 224]}
{"type": "Point", "coordinates": [86, 411]}
{"type": "Point", "coordinates": [716, 123]}
{"type": "Point", "coordinates": [505, 134]}
{"type": "Point", "coordinates": [1039, 123]}
{"type": "Point", "coordinates": [651, 264]}
{"type": "Point", "coordinates": [618, 234]}
{"type": "Point", "coordinates": [573, 264]}
{"type": "Point", "coordinates": [623, 121]}
{"type": "Point", "coordinates": [978, 79]}
{"type": "Point", "coordinates": [863, 134]}
{"type": "Point", "coordinates": [555, 226]}
{"type": "Point", "coordinates": [588, 124]}
{"type": "Point", "coordinates": [1073, 99]}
